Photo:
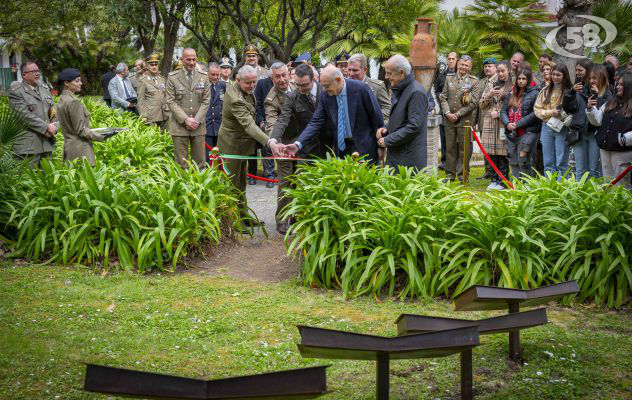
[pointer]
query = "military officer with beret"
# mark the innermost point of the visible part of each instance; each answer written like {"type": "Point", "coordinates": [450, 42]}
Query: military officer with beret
{"type": "Point", "coordinates": [251, 57]}
{"type": "Point", "coordinates": [188, 97]}
{"type": "Point", "coordinates": [152, 103]}
{"type": "Point", "coordinates": [459, 101]}
{"type": "Point", "coordinates": [34, 103]}
{"type": "Point", "coordinates": [75, 119]}
{"type": "Point", "coordinates": [239, 132]}
{"type": "Point", "coordinates": [342, 62]}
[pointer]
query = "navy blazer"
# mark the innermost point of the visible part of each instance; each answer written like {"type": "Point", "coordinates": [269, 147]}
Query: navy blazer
{"type": "Point", "coordinates": [365, 118]}
{"type": "Point", "coordinates": [214, 113]}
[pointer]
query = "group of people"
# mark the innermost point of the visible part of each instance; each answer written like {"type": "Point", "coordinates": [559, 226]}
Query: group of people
{"type": "Point", "coordinates": [295, 110]}
{"type": "Point", "coordinates": [530, 121]}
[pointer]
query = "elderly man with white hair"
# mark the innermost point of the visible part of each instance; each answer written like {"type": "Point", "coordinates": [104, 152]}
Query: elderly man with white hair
{"type": "Point", "coordinates": [122, 91]}
{"type": "Point", "coordinates": [405, 136]}
{"type": "Point", "coordinates": [239, 133]}
{"type": "Point", "coordinates": [349, 109]}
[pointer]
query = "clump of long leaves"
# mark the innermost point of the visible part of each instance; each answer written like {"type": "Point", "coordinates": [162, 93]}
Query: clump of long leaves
{"type": "Point", "coordinates": [366, 230]}
{"type": "Point", "coordinates": [76, 213]}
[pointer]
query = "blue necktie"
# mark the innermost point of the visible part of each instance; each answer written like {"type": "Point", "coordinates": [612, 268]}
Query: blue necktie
{"type": "Point", "coordinates": [342, 122]}
{"type": "Point", "coordinates": [127, 92]}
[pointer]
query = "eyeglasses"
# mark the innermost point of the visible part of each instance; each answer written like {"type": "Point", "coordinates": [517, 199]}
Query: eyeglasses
{"type": "Point", "coordinates": [35, 71]}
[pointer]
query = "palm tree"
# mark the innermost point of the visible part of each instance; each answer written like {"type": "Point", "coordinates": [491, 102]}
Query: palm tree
{"type": "Point", "coordinates": [618, 12]}
{"type": "Point", "coordinates": [512, 24]}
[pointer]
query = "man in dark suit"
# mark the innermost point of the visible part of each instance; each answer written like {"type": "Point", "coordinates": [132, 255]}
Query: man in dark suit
{"type": "Point", "coordinates": [105, 81]}
{"type": "Point", "coordinates": [297, 111]}
{"type": "Point", "coordinates": [350, 110]}
{"type": "Point", "coordinates": [214, 113]}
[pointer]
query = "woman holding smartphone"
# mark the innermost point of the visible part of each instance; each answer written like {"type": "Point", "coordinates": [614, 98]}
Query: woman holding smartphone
{"type": "Point", "coordinates": [492, 131]}
{"type": "Point", "coordinates": [582, 134]}
{"type": "Point", "coordinates": [614, 135]}
{"type": "Point", "coordinates": [547, 106]}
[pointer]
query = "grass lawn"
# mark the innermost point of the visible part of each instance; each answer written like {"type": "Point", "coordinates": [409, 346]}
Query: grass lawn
{"type": "Point", "coordinates": [53, 319]}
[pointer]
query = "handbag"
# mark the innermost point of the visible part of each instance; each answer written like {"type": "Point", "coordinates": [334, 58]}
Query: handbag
{"type": "Point", "coordinates": [573, 136]}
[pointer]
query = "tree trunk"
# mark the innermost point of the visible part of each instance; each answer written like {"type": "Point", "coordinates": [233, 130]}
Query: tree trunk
{"type": "Point", "coordinates": [567, 15]}
{"type": "Point", "coordinates": [171, 26]}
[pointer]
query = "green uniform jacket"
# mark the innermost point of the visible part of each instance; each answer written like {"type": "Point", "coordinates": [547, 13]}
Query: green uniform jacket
{"type": "Point", "coordinates": [74, 119]}
{"type": "Point", "coordinates": [451, 99]}
{"type": "Point", "coordinates": [36, 110]}
{"type": "Point", "coordinates": [152, 103]}
{"type": "Point", "coordinates": [381, 95]}
{"type": "Point", "coordinates": [239, 132]}
{"type": "Point", "coordinates": [273, 104]}
{"type": "Point", "coordinates": [187, 100]}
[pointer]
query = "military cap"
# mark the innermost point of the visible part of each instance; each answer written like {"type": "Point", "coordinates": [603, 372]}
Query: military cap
{"type": "Point", "coordinates": [342, 58]}
{"type": "Point", "coordinates": [69, 74]}
{"type": "Point", "coordinates": [225, 62]}
{"type": "Point", "coordinates": [153, 58]}
{"type": "Point", "coordinates": [490, 60]}
{"type": "Point", "coordinates": [251, 49]}
{"type": "Point", "coordinates": [305, 57]}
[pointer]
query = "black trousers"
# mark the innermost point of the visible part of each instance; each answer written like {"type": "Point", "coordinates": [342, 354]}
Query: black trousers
{"type": "Point", "coordinates": [442, 140]}
{"type": "Point", "coordinates": [502, 162]}
{"type": "Point", "coordinates": [268, 165]}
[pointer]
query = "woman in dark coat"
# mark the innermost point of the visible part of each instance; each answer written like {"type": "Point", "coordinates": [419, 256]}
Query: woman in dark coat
{"type": "Point", "coordinates": [405, 136]}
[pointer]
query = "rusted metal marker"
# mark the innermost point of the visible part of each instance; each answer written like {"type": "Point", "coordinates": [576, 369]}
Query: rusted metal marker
{"type": "Point", "coordinates": [478, 298]}
{"type": "Point", "coordinates": [304, 383]}
{"type": "Point", "coordinates": [332, 344]}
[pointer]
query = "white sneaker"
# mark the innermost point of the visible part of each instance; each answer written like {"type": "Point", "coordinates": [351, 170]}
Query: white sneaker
{"type": "Point", "coordinates": [500, 186]}
{"type": "Point", "coordinates": [492, 186]}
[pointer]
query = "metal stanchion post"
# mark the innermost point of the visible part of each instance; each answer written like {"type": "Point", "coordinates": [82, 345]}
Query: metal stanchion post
{"type": "Point", "coordinates": [466, 149]}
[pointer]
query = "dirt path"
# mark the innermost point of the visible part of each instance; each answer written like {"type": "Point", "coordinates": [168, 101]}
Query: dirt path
{"type": "Point", "coordinates": [255, 258]}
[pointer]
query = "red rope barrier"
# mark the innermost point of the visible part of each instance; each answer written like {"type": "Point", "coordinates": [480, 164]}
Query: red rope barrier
{"type": "Point", "coordinates": [620, 176]}
{"type": "Point", "coordinates": [221, 166]}
{"type": "Point", "coordinates": [490, 160]}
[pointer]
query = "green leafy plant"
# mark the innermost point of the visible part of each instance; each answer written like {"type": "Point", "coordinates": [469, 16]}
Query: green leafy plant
{"type": "Point", "coordinates": [366, 230]}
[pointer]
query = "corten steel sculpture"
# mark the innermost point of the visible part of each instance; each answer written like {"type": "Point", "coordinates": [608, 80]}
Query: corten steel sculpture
{"type": "Point", "coordinates": [423, 52]}
{"type": "Point", "coordinates": [478, 298]}
{"type": "Point", "coordinates": [304, 383]}
{"type": "Point", "coordinates": [332, 344]}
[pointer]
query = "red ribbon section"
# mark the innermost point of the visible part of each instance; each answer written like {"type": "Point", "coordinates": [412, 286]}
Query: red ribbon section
{"type": "Point", "coordinates": [620, 176]}
{"type": "Point", "coordinates": [489, 160]}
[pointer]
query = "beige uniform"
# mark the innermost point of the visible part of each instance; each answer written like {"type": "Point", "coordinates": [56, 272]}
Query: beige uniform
{"type": "Point", "coordinates": [35, 106]}
{"type": "Point", "coordinates": [381, 95]}
{"type": "Point", "coordinates": [135, 80]}
{"type": "Point", "coordinates": [239, 134]}
{"type": "Point", "coordinates": [152, 103]}
{"type": "Point", "coordinates": [188, 98]}
{"type": "Point", "coordinates": [451, 102]}
{"type": "Point", "coordinates": [74, 119]}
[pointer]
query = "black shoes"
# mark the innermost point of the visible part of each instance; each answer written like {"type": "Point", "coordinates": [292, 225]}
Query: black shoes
{"type": "Point", "coordinates": [252, 181]}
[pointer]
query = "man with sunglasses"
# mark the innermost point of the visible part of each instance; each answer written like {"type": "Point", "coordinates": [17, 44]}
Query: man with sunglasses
{"type": "Point", "coordinates": [34, 102]}
{"type": "Point", "coordinates": [152, 103]}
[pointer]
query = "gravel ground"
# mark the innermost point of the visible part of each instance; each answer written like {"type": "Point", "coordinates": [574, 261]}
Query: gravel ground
{"type": "Point", "coordinates": [262, 201]}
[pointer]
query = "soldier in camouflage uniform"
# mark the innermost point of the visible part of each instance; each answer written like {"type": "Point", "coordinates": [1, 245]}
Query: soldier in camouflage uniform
{"type": "Point", "coordinates": [459, 100]}
{"type": "Point", "coordinates": [34, 103]}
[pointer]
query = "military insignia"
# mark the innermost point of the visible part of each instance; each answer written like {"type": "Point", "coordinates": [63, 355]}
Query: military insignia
{"type": "Point", "coordinates": [199, 86]}
{"type": "Point", "coordinates": [221, 96]}
{"type": "Point", "coordinates": [162, 86]}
